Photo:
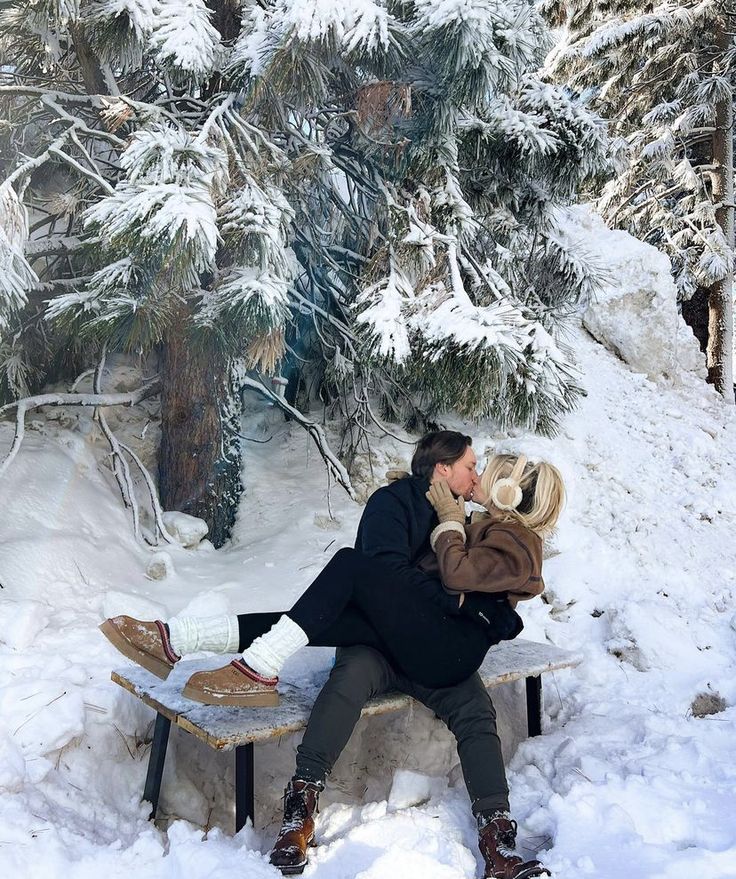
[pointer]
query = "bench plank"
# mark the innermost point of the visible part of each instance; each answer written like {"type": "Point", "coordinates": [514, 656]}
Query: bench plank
{"type": "Point", "coordinates": [226, 727]}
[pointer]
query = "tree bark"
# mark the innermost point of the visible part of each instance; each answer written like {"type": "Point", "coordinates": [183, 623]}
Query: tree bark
{"type": "Point", "coordinates": [226, 17]}
{"type": "Point", "coordinates": [720, 295]}
{"type": "Point", "coordinates": [199, 462]}
{"type": "Point", "coordinates": [94, 80]}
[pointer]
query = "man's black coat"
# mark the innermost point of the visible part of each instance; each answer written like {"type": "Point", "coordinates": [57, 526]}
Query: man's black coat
{"type": "Point", "coordinates": [395, 527]}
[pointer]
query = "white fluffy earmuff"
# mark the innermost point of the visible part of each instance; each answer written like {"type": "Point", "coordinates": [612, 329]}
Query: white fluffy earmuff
{"type": "Point", "coordinates": [506, 494]}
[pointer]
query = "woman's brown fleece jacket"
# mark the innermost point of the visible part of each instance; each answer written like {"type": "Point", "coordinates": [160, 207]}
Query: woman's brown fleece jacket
{"type": "Point", "coordinates": [496, 556]}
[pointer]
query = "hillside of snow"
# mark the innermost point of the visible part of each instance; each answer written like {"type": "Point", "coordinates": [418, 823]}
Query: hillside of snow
{"type": "Point", "coordinates": [626, 780]}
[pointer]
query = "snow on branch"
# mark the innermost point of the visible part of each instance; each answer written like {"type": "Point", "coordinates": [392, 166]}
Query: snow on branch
{"type": "Point", "coordinates": [168, 195]}
{"type": "Point", "coordinates": [28, 404]}
{"type": "Point", "coordinates": [122, 29]}
{"type": "Point", "coordinates": [16, 275]}
{"type": "Point", "coordinates": [447, 321]}
{"type": "Point", "coordinates": [334, 466]}
{"type": "Point", "coordinates": [526, 129]}
{"type": "Point", "coordinates": [257, 299]}
{"type": "Point", "coordinates": [351, 23]}
{"type": "Point", "coordinates": [654, 25]}
{"type": "Point", "coordinates": [164, 211]}
{"type": "Point", "coordinates": [184, 38]}
{"type": "Point", "coordinates": [380, 309]}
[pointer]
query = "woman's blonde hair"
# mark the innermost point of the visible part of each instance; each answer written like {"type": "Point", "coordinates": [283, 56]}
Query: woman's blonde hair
{"type": "Point", "coordinates": [542, 492]}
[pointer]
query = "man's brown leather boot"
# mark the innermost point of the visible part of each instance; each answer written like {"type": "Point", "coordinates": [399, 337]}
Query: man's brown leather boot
{"type": "Point", "coordinates": [301, 800]}
{"type": "Point", "coordinates": [497, 841]}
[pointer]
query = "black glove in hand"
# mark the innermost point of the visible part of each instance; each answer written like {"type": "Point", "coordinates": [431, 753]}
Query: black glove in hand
{"type": "Point", "coordinates": [492, 609]}
{"type": "Point", "coordinates": [482, 605]}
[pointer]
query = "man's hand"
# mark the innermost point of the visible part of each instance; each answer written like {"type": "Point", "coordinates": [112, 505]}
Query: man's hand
{"type": "Point", "coordinates": [448, 508]}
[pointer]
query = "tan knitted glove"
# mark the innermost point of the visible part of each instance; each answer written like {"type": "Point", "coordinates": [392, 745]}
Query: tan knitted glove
{"type": "Point", "coordinates": [447, 507]}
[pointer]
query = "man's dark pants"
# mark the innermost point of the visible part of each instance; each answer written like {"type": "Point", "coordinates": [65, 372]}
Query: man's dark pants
{"type": "Point", "coordinates": [360, 673]}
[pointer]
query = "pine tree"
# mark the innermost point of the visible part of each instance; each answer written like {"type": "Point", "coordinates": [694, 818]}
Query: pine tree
{"type": "Point", "coordinates": [363, 195]}
{"type": "Point", "coordinates": [663, 74]}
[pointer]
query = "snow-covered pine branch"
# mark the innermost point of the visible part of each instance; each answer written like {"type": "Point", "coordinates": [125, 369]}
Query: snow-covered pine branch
{"type": "Point", "coordinates": [666, 77]}
{"type": "Point", "coordinates": [184, 39]}
{"type": "Point", "coordinates": [16, 275]}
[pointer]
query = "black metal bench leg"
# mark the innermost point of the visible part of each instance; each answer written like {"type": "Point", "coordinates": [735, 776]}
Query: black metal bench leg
{"type": "Point", "coordinates": [534, 705]}
{"type": "Point", "coordinates": [156, 761]}
{"type": "Point", "coordinates": [244, 785]}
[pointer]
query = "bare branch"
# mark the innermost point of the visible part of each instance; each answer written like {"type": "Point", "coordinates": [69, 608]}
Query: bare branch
{"type": "Point", "coordinates": [158, 513]}
{"type": "Point", "coordinates": [119, 465]}
{"type": "Point", "coordinates": [53, 244]}
{"type": "Point", "coordinates": [337, 470]}
{"type": "Point", "coordinates": [48, 101]}
{"type": "Point", "coordinates": [27, 404]}
{"type": "Point", "coordinates": [65, 157]}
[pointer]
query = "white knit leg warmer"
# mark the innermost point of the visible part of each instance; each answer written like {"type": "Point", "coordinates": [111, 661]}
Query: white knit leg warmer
{"type": "Point", "coordinates": [267, 654]}
{"type": "Point", "coordinates": [191, 634]}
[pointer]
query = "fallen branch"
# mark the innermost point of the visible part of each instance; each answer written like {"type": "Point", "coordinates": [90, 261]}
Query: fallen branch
{"type": "Point", "coordinates": [158, 513]}
{"type": "Point", "coordinates": [120, 467]}
{"type": "Point", "coordinates": [334, 466]}
{"type": "Point", "coordinates": [28, 404]}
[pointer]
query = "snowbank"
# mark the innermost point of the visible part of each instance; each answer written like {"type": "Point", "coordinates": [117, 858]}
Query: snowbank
{"type": "Point", "coordinates": [625, 781]}
{"type": "Point", "coordinates": [635, 313]}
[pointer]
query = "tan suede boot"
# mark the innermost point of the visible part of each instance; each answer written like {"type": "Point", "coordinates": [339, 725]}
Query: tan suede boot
{"type": "Point", "coordinates": [301, 801]}
{"type": "Point", "coordinates": [146, 643]}
{"type": "Point", "coordinates": [235, 684]}
{"type": "Point", "coordinates": [497, 841]}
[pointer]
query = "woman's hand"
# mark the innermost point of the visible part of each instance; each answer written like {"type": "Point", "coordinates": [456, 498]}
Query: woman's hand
{"type": "Point", "coordinates": [479, 496]}
{"type": "Point", "coordinates": [448, 508]}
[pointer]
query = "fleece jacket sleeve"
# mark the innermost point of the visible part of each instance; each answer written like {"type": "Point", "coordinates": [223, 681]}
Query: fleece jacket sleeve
{"type": "Point", "coordinates": [500, 563]}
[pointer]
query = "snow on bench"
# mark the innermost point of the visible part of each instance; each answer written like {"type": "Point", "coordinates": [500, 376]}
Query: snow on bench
{"type": "Point", "coordinates": [228, 727]}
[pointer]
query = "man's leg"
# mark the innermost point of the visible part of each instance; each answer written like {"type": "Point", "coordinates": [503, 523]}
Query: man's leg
{"type": "Point", "coordinates": [359, 673]}
{"type": "Point", "coordinates": [468, 712]}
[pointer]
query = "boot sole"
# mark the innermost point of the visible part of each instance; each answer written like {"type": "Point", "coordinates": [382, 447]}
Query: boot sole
{"type": "Point", "coordinates": [292, 871]}
{"type": "Point", "coordinates": [534, 872]}
{"type": "Point", "coordinates": [244, 700]}
{"type": "Point", "coordinates": [150, 663]}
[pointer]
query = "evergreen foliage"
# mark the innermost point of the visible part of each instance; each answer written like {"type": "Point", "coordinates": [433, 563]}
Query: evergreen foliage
{"type": "Point", "coordinates": [658, 72]}
{"type": "Point", "coordinates": [368, 188]}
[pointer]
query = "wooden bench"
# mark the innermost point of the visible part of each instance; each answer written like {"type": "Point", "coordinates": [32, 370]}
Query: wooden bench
{"type": "Point", "coordinates": [226, 728]}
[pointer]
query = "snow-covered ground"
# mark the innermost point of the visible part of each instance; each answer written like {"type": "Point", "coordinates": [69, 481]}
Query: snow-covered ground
{"type": "Point", "coordinates": [624, 782]}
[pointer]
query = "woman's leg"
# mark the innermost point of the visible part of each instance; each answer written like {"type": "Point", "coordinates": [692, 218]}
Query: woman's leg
{"type": "Point", "coordinates": [253, 625]}
{"type": "Point", "coordinates": [316, 612]}
{"type": "Point", "coordinates": [427, 645]}
{"type": "Point", "coordinates": [351, 627]}
{"type": "Point", "coordinates": [218, 634]}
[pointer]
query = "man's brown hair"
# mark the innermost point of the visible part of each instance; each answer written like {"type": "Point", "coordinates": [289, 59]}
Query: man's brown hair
{"type": "Point", "coordinates": [438, 447]}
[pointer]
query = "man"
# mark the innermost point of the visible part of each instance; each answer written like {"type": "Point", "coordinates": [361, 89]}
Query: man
{"type": "Point", "coordinates": [395, 526]}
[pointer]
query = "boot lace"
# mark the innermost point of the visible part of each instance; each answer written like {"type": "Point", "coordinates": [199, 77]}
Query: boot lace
{"type": "Point", "coordinates": [296, 809]}
{"type": "Point", "coordinates": [504, 831]}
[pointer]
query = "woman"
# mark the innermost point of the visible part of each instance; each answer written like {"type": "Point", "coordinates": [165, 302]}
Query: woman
{"type": "Point", "coordinates": [357, 599]}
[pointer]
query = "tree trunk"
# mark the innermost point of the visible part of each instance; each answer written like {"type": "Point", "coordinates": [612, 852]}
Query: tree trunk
{"type": "Point", "coordinates": [89, 63]}
{"type": "Point", "coordinates": [200, 459]}
{"type": "Point", "coordinates": [199, 463]}
{"type": "Point", "coordinates": [720, 298]}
